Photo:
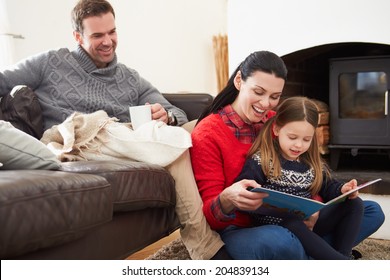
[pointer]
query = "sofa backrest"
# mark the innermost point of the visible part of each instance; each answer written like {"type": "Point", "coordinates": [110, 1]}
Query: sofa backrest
{"type": "Point", "coordinates": [193, 104]}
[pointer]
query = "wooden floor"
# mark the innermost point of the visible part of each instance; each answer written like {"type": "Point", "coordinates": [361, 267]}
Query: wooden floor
{"type": "Point", "coordinates": [151, 249]}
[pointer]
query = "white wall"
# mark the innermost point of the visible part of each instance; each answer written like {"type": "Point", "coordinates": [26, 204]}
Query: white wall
{"type": "Point", "coordinates": [168, 41]}
{"type": "Point", "coordinates": [283, 26]}
{"type": "Point", "coordinates": [45, 25]}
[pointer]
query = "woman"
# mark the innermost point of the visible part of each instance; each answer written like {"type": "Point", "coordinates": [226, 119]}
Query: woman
{"type": "Point", "coordinates": [221, 139]}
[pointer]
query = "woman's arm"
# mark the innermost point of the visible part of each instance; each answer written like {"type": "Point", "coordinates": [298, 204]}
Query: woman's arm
{"type": "Point", "coordinates": [216, 165]}
{"type": "Point", "coordinates": [208, 170]}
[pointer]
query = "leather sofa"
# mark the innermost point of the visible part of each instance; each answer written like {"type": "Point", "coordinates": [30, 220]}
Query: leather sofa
{"type": "Point", "coordinates": [90, 209]}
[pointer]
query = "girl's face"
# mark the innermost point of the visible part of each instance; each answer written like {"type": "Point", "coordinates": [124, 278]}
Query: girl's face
{"type": "Point", "coordinates": [294, 138]}
{"type": "Point", "coordinates": [257, 95]}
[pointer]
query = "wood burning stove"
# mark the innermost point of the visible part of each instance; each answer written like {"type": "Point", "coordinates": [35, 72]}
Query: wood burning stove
{"type": "Point", "coordinates": [359, 105]}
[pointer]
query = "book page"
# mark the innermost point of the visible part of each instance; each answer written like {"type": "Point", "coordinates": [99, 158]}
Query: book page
{"type": "Point", "coordinates": [344, 195]}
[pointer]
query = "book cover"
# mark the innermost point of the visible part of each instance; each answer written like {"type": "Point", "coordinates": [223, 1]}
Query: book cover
{"type": "Point", "coordinates": [284, 203]}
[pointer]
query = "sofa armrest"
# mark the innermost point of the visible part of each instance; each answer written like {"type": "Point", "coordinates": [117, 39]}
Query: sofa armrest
{"type": "Point", "coordinates": [193, 104]}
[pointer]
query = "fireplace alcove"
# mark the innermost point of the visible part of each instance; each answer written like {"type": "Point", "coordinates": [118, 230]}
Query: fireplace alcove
{"type": "Point", "coordinates": [309, 75]}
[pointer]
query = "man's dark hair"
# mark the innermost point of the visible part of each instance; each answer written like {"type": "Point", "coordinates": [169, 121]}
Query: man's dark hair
{"type": "Point", "coordinates": [89, 8]}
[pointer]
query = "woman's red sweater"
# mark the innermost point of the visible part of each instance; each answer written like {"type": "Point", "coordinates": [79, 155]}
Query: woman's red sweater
{"type": "Point", "coordinates": [217, 159]}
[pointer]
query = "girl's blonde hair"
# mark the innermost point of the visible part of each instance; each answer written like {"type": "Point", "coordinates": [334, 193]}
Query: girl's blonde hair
{"type": "Point", "coordinates": [292, 109]}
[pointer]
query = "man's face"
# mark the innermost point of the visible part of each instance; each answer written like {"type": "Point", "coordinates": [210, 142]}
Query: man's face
{"type": "Point", "coordinates": [99, 38]}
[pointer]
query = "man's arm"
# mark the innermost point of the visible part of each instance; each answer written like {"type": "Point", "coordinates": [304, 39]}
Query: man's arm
{"type": "Point", "coordinates": [149, 94]}
{"type": "Point", "coordinates": [26, 72]}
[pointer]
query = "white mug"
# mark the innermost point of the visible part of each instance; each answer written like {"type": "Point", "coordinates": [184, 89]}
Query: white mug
{"type": "Point", "coordinates": [140, 115]}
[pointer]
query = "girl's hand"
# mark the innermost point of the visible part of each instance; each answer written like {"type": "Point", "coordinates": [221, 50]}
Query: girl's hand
{"type": "Point", "coordinates": [349, 186]}
{"type": "Point", "coordinates": [238, 197]}
{"type": "Point", "coordinates": [311, 221]}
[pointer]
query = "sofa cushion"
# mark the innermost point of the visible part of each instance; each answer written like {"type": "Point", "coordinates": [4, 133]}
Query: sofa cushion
{"type": "Point", "coordinates": [19, 150]}
{"type": "Point", "coordinates": [193, 104]}
{"type": "Point", "coordinates": [41, 208]}
{"type": "Point", "coordinates": [22, 109]}
{"type": "Point", "coordinates": [135, 185]}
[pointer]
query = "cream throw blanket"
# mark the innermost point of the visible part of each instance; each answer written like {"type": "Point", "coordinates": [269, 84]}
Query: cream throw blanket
{"type": "Point", "coordinates": [96, 136]}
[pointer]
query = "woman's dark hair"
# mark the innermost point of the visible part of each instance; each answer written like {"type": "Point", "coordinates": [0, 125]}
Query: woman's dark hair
{"type": "Point", "coordinates": [89, 8]}
{"type": "Point", "coordinates": [263, 61]}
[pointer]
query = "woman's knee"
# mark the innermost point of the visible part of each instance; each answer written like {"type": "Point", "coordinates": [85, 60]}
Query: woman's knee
{"type": "Point", "coordinates": [373, 211]}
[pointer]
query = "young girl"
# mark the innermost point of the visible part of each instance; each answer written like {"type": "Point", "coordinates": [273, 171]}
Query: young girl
{"type": "Point", "coordinates": [285, 157]}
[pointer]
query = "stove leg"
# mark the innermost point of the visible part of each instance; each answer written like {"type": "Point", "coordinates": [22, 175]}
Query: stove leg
{"type": "Point", "coordinates": [334, 158]}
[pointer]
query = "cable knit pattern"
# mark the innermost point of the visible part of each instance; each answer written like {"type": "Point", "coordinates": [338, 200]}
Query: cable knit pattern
{"type": "Point", "coordinates": [66, 81]}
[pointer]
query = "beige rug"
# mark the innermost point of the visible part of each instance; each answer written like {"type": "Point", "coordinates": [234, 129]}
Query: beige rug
{"type": "Point", "coordinates": [371, 249]}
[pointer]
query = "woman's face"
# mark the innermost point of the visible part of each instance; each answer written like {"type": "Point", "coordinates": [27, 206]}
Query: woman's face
{"type": "Point", "coordinates": [257, 95]}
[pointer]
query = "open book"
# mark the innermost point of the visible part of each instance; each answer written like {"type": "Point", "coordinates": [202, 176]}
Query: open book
{"type": "Point", "coordinates": [283, 203]}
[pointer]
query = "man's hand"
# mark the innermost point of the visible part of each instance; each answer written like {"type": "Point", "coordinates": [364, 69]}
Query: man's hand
{"type": "Point", "coordinates": [158, 112]}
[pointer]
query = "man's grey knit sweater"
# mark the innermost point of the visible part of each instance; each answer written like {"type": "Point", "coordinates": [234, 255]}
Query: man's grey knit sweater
{"type": "Point", "coordinates": [68, 81]}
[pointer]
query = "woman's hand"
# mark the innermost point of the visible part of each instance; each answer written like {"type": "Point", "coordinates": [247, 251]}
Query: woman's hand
{"type": "Point", "coordinates": [238, 197]}
{"type": "Point", "coordinates": [349, 186]}
{"type": "Point", "coordinates": [311, 221]}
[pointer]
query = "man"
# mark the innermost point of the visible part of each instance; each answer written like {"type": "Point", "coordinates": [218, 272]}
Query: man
{"type": "Point", "coordinates": [88, 79]}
